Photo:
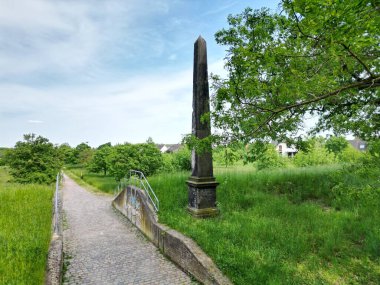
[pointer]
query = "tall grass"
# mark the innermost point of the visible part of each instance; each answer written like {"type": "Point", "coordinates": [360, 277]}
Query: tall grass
{"type": "Point", "coordinates": [25, 231]}
{"type": "Point", "coordinates": [277, 227]}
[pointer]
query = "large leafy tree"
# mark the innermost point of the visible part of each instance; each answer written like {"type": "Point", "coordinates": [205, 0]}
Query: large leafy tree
{"type": "Point", "coordinates": [100, 159]}
{"type": "Point", "coordinates": [34, 160]}
{"type": "Point", "coordinates": [315, 57]}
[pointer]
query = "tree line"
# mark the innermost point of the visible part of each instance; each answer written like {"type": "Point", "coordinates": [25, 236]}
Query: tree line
{"type": "Point", "coordinates": [37, 160]}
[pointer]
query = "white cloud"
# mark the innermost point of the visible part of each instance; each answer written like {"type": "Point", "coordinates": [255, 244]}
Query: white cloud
{"type": "Point", "coordinates": [75, 36]}
{"type": "Point", "coordinates": [35, 121]}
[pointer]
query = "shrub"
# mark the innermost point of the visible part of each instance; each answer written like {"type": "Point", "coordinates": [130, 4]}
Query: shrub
{"type": "Point", "coordinates": [143, 157]}
{"type": "Point", "coordinates": [34, 160]}
{"type": "Point", "coordinates": [270, 158]}
{"type": "Point", "coordinates": [316, 156]}
{"type": "Point", "coordinates": [350, 155]}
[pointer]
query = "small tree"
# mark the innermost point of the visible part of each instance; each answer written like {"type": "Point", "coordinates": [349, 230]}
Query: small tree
{"type": "Point", "coordinates": [34, 160]}
{"type": "Point", "coordinates": [336, 145]}
{"type": "Point", "coordinates": [100, 160]}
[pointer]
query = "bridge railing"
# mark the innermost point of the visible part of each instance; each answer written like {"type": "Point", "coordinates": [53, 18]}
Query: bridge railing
{"type": "Point", "coordinates": [137, 178]}
{"type": "Point", "coordinates": [57, 228]}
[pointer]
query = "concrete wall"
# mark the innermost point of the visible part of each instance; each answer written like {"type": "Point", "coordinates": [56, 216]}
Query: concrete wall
{"type": "Point", "coordinates": [134, 204]}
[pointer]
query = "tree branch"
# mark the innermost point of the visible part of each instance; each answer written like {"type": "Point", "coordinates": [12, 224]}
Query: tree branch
{"type": "Point", "coordinates": [371, 82]}
{"type": "Point", "coordinates": [358, 59]}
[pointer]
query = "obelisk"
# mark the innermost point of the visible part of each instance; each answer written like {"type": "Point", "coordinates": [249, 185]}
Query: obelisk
{"type": "Point", "coordinates": [201, 184]}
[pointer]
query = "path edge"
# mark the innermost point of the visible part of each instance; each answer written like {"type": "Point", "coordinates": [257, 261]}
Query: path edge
{"type": "Point", "coordinates": [54, 266]}
{"type": "Point", "coordinates": [179, 248]}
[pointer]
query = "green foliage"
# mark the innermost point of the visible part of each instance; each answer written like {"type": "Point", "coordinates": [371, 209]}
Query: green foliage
{"type": "Point", "coordinates": [228, 154]}
{"type": "Point", "coordinates": [316, 156]}
{"type": "Point", "coordinates": [177, 161]}
{"type": "Point", "coordinates": [350, 155]}
{"type": "Point", "coordinates": [100, 160]}
{"type": "Point", "coordinates": [66, 153]}
{"type": "Point", "coordinates": [315, 57]}
{"type": "Point", "coordinates": [25, 231]}
{"type": "Point", "coordinates": [3, 150]}
{"type": "Point", "coordinates": [336, 145]}
{"type": "Point", "coordinates": [264, 154]}
{"type": "Point", "coordinates": [83, 154]}
{"type": "Point", "coordinates": [270, 158]}
{"type": "Point", "coordinates": [143, 157]}
{"type": "Point", "coordinates": [34, 160]}
{"type": "Point", "coordinates": [182, 159]}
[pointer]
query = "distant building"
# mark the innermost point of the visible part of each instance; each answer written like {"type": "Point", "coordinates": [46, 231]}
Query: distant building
{"type": "Point", "coordinates": [285, 150]}
{"type": "Point", "coordinates": [359, 144]}
{"type": "Point", "coordinates": [168, 148]}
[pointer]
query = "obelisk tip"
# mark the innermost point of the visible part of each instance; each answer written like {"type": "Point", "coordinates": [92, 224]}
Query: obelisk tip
{"type": "Point", "coordinates": [200, 39]}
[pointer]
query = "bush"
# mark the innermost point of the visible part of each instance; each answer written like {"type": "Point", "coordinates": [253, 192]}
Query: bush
{"type": "Point", "coordinates": [177, 161]}
{"type": "Point", "coordinates": [350, 155]}
{"type": "Point", "coordinates": [316, 156]}
{"type": "Point", "coordinates": [182, 159]}
{"type": "Point", "coordinates": [143, 157]}
{"type": "Point", "coordinates": [270, 158]}
{"type": "Point", "coordinates": [34, 160]}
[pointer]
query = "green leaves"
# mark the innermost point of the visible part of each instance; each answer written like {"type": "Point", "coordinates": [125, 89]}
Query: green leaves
{"type": "Point", "coordinates": [34, 160]}
{"type": "Point", "coordinates": [316, 57]}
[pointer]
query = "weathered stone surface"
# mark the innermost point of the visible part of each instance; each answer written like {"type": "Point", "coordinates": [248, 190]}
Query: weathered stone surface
{"type": "Point", "coordinates": [202, 163]}
{"type": "Point", "coordinates": [179, 248]}
{"type": "Point", "coordinates": [201, 184]}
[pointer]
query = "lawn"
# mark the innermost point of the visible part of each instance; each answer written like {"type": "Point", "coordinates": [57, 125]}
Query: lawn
{"type": "Point", "coordinates": [25, 231]}
{"type": "Point", "coordinates": [280, 226]}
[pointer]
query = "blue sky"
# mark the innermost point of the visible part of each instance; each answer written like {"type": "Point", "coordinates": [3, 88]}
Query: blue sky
{"type": "Point", "coordinates": [104, 71]}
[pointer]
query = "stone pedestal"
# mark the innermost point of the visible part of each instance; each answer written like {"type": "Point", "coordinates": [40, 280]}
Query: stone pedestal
{"type": "Point", "coordinates": [202, 197]}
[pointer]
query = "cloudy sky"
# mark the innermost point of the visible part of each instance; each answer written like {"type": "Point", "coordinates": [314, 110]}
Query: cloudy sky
{"type": "Point", "coordinates": [101, 71]}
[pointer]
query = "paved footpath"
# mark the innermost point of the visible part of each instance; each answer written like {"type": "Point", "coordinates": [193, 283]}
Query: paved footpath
{"type": "Point", "coordinates": [102, 247]}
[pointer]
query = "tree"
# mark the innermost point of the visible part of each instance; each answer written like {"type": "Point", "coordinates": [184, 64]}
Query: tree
{"type": "Point", "coordinates": [143, 157]}
{"type": "Point", "coordinates": [34, 160]}
{"type": "Point", "coordinates": [317, 57]}
{"type": "Point", "coordinates": [336, 145]}
{"type": "Point", "coordinates": [83, 154]}
{"type": "Point", "coordinates": [66, 153]}
{"type": "Point", "coordinates": [100, 159]}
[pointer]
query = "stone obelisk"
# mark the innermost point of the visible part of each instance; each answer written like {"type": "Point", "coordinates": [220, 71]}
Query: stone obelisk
{"type": "Point", "coordinates": [201, 184]}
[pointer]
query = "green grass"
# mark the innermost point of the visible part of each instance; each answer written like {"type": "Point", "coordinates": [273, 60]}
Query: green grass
{"type": "Point", "coordinates": [25, 231]}
{"type": "Point", "coordinates": [96, 181]}
{"type": "Point", "coordinates": [279, 226]}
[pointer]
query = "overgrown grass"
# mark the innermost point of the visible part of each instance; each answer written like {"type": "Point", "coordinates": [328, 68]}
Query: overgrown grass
{"type": "Point", "coordinates": [25, 231]}
{"type": "Point", "coordinates": [280, 226]}
{"type": "Point", "coordinates": [277, 227]}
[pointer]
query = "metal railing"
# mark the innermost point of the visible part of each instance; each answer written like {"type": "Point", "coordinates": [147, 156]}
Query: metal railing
{"type": "Point", "coordinates": [56, 203]}
{"type": "Point", "coordinates": [139, 177]}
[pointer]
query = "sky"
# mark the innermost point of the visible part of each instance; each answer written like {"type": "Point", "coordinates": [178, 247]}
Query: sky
{"type": "Point", "coordinates": [100, 71]}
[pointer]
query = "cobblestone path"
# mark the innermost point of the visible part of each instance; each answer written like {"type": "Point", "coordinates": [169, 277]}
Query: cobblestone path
{"type": "Point", "coordinates": [102, 247]}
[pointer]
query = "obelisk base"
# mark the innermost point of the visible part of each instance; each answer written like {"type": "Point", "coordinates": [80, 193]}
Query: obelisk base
{"type": "Point", "coordinates": [202, 197]}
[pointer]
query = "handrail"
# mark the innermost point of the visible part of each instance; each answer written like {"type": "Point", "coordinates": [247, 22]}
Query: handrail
{"type": "Point", "coordinates": [139, 176]}
{"type": "Point", "coordinates": [56, 204]}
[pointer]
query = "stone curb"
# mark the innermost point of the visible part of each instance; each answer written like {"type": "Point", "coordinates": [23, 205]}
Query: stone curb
{"type": "Point", "coordinates": [54, 266]}
{"type": "Point", "coordinates": [180, 249]}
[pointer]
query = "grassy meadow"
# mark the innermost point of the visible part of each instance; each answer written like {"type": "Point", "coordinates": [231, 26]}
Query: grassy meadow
{"type": "Point", "coordinates": [284, 226]}
{"type": "Point", "coordinates": [25, 231]}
